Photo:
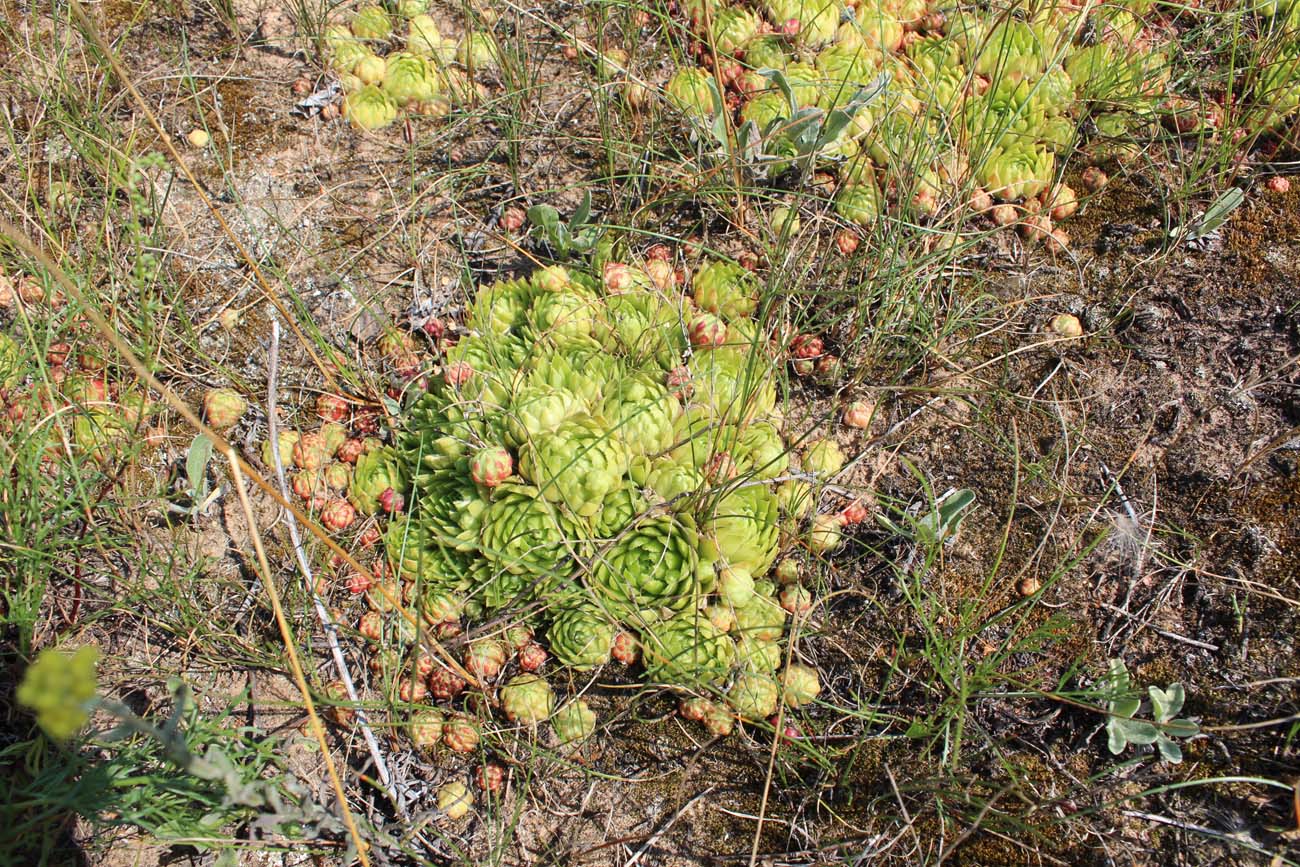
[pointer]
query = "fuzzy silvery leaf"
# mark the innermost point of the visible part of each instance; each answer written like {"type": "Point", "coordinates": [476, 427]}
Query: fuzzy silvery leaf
{"type": "Point", "coordinates": [1166, 703]}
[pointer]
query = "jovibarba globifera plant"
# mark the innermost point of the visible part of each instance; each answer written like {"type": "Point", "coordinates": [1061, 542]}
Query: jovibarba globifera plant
{"type": "Point", "coordinates": [568, 463]}
{"type": "Point", "coordinates": [392, 66]}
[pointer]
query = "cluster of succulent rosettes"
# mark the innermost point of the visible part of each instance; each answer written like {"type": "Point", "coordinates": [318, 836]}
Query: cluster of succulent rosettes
{"type": "Point", "coordinates": [392, 65]}
{"type": "Point", "coordinates": [975, 103]}
{"type": "Point", "coordinates": [340, 468]}
{"type": "Point", "coordinates": [583, 463]}
{"type": "Point", "coordinates": [105, 413]}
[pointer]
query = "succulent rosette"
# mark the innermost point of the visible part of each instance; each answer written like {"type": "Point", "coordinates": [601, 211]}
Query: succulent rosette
{"type": "Point", "coordinates": [527, 698]}
{"type": "Point", "coordinates": [766, 52]}
{"type": "Point", "coordinates": [846, 69]}
{"type": "Point", "coordinates": [501, 307]}
{"type": "Point", "coordinates": [693, 91]}
{"type": "Point", "coordinates": [686, 650]}
{"type": "Point", "coordinates": [424, 39]}
{"type": "Point", "coordinates": [522, 532]}
{"type": "Point", "coordinates": [765, 110]}
{"type": "Point", "coordinates": [762, 618]}
{"type": "Point", "coordinates": [538, 408]}
{"type": "Point", "coordinates": [576, 464]}
{"type": "Point", "coordinates": [581, 635]}
{"type": "Point", "coordinates": [376, 471]}
{"type": "Point", "coordinates": [620, 508]}
{"type": "Point", "coordinates": [372, 22]}
{"type": "Point", "coordinates": [585, 369]}
{"type": "Point", "coordinates": [760, 452]}
{"type": "Point", "coordinates": [859, 203]}
{"type": "Point", "coordinates": [880, 29]}
{"type": "Point", "coordinates": [345, 54]}
{"type": "Point", "coordinates": [655, 565]}
{"type": "Point", "coordinates": [671, 481]}
{"type": "Point", "coordinates": [369, 108]}
{"type": "Point", "coordinates": [757, 654]}
{"type": "Point", "coordinates": [418, 556]}
{"type": "Point", "coordinates": [563, 317]}
{"type": "Point", "coordinates": [818, 19]}
{"type": "Point", "coordinates": [741, 529]}
{"type": "Point", "coordinates": [478, 50]}
{"type": "Point", "coordinates": [408, 78]}
{"type": "Point", "coordinates": [1013, 47]}
{"type": "Point", "coordinates": [725, 289]}
{"type": "Point", "coordinates": [644, 327]}
{"type": "Point", "coordinates": [641, 412]}
{"type": "Point", "coordinates": [754, 696]}
{"type": "Point", "coordinates": [1016, 171]}
{"type": "Point", "coordinates": [575, 721]}
{"type": "Point", "coordinates": [451, 507]}
{"type": "Point", "coordinates": [800, 685]}
{"type": "Point", "coordinates": [736, 384]}
{"type": "Point", "coordinates": [732, 28]}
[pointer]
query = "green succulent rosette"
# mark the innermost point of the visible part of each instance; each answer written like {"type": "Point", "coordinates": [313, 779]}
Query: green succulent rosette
{"type": "Point", "coordinates": [1016, 171]}
{"type": "Point", "coordinates": [766, 52]}
{"type": "Point", "coordinates": [765, 110]}
{"type": "Point", "coordinates": [641, 412]}
{"type": "Point", "coordinates": [686, 650]}
{"type": "Point", "coordinates": [523, 533]}
{"type": "Point", "coordinates": [581, 636]}
{"type": "Point", "coordinates": [409, 78]}
{"type": "Point", "coordinates": [732, 28]}
{"type": "Point", "coordinates": [735, 384]}
{"type": "Point", "coordinates": [643, 327]}
{"type": "Point", "coordinates": [423, 36]}
{"type": "Point", "coordinates": [698, 435]}
{"type": "Point", "coordinates": [880, 29]}
{"type": "Point", "coordinates": [501, 308]}
{"type": "Point", "coordinates": [419, 557]}
{"type": "Point", "coordinates": [369, 108]}
{"type": "Point", "coordinates": [759, 451]}
{"type": "Point", "coordinates": [536, 409]}
{"type": "Point", "coordinates": [818, 19]}
{"type": "Point", "coordinates": [725, 289]}
{"type": "Point", "coordinates": [741, 529]}
{"type": "Point", "coordinates": [655, 565]}
{"type": "Point", "coordinates": [563, 317]}
{"type": "Point", "coordinates": [754, 696]}
{"type": "Point", "coordinates": [527, 698]}
{"type": "Point", "coordinates": [670, 481]}
{"type": "Point", "coordinates": [762, 618]}
{"type": "Point", "coordinates": [451, 507]}
{"type": "Point", "coordinates": [860, 203]}
{"type": "Point", "coordinates": [1276, 94]}
{"type": "Point", "coordinates": [586, 369]}
{"type": "Point", "coordinates": [846, 69]}
{"type": "Point", "coordinates": [576, 464]}
{"type": "Point", "coordinates": [376, 471]}
{"type": "Point", "coordinates": [372, 22]}
{"type": "Point", "coordinates": [345, 54]}
{"type": "Point", "coordinates": [1013, 47]}
{"type": "Point", "coordinates": [692, 90]}
{"type": "Point", "coordinates": [757, 654]}
{"type": "Point", "coordinates": [478, 50]}
{"type": "Point", "coordinates": [574, 722]}
{"type": "Point", "coordinates": [617, 512]}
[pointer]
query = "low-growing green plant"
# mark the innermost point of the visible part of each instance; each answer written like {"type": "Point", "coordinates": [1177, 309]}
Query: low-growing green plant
{"type": "Point", "coordinates": [1125, 702]}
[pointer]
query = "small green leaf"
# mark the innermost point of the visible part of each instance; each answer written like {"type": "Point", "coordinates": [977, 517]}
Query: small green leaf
{"type": "Point", "coordinates": [778, 78]}
{"type": "Point", "coordinates": [196, 463]}
{"type": "Point", "coordinates": [1138, 731]}
{"type": "Point", "coordinates": [1171, 751]}
{"type": "Point", "coordinates": [1181, 728]}
{"type": "Point", "coordinates": [579, 218]}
